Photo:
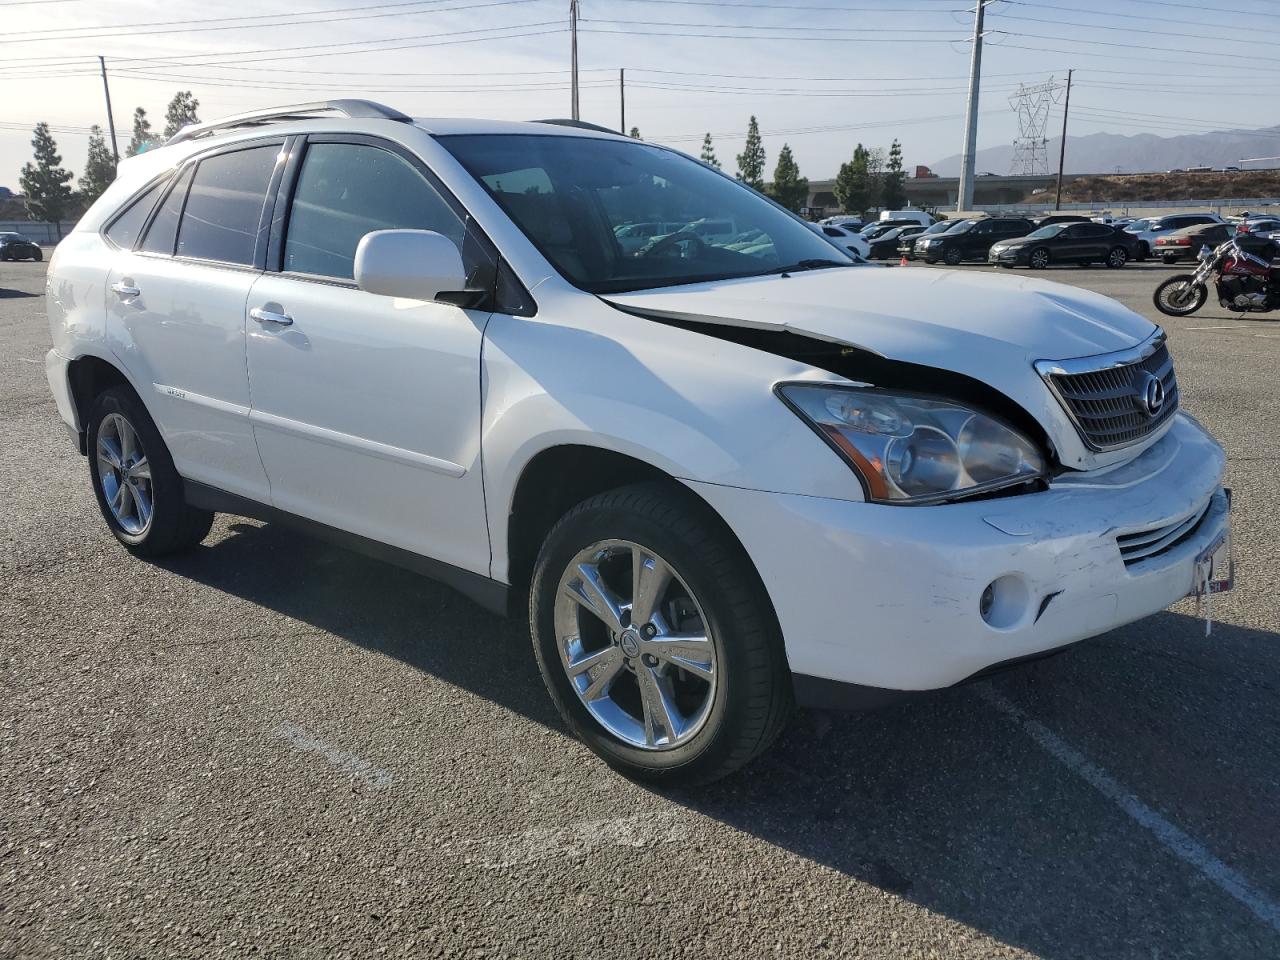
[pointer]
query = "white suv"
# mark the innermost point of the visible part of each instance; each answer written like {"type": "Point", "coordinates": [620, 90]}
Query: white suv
{"type": "Point", "coordinates": [721, 473]}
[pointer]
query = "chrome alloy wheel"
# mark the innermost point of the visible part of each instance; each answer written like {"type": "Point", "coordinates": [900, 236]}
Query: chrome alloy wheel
{"type": "Point", "coordinates": [124, 474]}
{"type": "Point", "coordinates": [634, 643]}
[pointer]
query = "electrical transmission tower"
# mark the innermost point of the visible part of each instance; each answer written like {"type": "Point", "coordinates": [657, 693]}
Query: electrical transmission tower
{"type": "Point", "coordinates": [1033, 105]}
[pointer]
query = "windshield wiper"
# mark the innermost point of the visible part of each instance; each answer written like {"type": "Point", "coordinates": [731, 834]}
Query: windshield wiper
{"type": "Point", "coordinates": [813, 263]}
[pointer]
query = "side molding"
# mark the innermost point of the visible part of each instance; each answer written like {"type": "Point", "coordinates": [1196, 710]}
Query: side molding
{"type": "Point", "coordinates": [489, 594]}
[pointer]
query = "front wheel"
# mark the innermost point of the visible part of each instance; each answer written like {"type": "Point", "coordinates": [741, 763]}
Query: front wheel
{"type": "Point", "coordinates": [1039, 258]}
{"type": "Point", "coordinates": [1180, 296]}
{"type": "Point", "coordinates": [1117, 257]}
{"type": "Point", "coordinates": [654, 637]}
{"type": "Point", "coordinates": [953, 258]}
{"type": "Point", "coordinates": [136, 484]}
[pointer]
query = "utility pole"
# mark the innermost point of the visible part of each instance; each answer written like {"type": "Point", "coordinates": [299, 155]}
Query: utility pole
{"type": "Point", "coordinates": [967, 159]}
{"type": "Point", "coordinates": [622, 100]}
{"type": "Point", "coordinates": [111, 120]}
{"type": "Point", "coordinates": [573, 42]}
{"type": "Point", "coordinates": [1062, 152]}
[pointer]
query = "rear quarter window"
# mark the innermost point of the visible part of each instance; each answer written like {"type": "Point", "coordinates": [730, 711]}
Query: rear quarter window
{"type": "Point", "coordinates": [127, 226]}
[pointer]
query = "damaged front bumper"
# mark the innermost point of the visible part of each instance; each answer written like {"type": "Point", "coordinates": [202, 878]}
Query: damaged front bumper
{"type": "Point", "coordinates": [892, 598]}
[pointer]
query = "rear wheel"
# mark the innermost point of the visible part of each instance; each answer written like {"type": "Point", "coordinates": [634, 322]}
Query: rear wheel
{"type": "Point", "coordinates": [136, 484]}
{"type": "Point", "coordinates": [1180, 295]}
{"type": "Point", "coordinates": [1169, 259]}
{"type": "Point", "coordinates": [654, 637]}
{"type": "Point", "coordinates": [1117, 257]}
{"type": "Point", "coordinates": [1039, 258]}
{"type": "Point", "coordinates": [39, 256]}
{"type": "Point", "coordinates": [1144, 251]}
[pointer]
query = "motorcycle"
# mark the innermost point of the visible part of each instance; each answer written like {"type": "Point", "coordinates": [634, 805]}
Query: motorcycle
{"type": "Point", "coordinates": [1244, 277]}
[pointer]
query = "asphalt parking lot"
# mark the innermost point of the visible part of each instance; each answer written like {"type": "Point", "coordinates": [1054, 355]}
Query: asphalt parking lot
{"type": "Point", "coordinates": [271, 746]}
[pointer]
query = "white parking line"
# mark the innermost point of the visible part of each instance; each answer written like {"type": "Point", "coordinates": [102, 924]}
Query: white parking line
{"type": "Point", "coordinates": [1178, 843]}
{"type": "Point", "coordinates": [304, 739]}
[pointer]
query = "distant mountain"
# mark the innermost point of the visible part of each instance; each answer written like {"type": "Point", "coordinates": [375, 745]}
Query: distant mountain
{"type": "Point", "coordinates": [1140, 153]}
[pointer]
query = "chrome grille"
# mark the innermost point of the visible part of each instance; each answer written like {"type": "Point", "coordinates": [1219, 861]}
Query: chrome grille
{"type": "Point", "coordinates": [1156, 540]}
{"type": "Point", "coordinates": [1105, 395]}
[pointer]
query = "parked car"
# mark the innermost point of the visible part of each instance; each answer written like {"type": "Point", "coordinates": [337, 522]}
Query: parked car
{"type": "Point", "coordinates": [971, 239]}
{"type": "Point", "coordinates": [1060, 218]}
{"type": "Point", "coordinates": [1185, 244]}
{"type": "Point", "coordinates": [847, 238]}
{"type": "Point", "coordinates": [874, 231]}
{"type": "Point", "coordinates": [886, 244]}
{"type": "Point", "coordinates": [854, 224]}
{"type": "Point", "coordinates": [913, 216]}
{"type": "Point", "coordinates": [632, 236]}
{"type": "Point", "coordinates": [909, 246]}
{"type": "Point", "coordinates": [1066, 242]}
{"type": "Point", "coordinates": [725, 480]}
{"type": "Point", "coordinates": [1159, 226]}
{"type": "Point", "coordinates": [1262, 226]}
{"type": "Point", "coordinates": [14, 246]}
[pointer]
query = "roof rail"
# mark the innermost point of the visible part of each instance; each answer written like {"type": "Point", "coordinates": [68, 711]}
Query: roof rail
{"type": "Point", "coordinates": [354, 109]}
{"type": "Point", "coordinates": [581, 125]}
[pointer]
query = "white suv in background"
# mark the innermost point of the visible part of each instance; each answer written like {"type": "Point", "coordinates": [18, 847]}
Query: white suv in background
{"type": "Point", "coordinates": [719, 473]}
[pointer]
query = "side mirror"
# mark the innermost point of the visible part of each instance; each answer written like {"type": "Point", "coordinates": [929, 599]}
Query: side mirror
{"type": "Point", "coordinates": [412, 264]}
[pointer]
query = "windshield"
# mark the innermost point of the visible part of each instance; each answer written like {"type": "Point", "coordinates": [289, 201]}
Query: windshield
{"type": "Point", "coordinates": [1044, 233]}
{"type": "Point", "coordinates": [1138, 226]}
{"type": "Point", "coordinates": [942, 226]}
{"type": "Point", "coordinates": [961, 227]}
{"type": "Point", "coordinates": [572, 197]}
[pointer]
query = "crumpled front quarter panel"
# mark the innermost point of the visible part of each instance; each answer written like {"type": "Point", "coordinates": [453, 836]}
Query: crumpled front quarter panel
{"type": "Point", "coordinates": [693, 406]}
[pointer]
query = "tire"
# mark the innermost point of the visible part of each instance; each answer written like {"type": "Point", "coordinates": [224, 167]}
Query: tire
{"type": "Point", "coordinates": [1169, 296]}
{"type": "Point", "coordinates": [39, 256]}
{"type": "Point", "coordinates": [1117, 257]}
{"type": "Point", "coordinates": [953, 257]}
{"type": "Point", "coordinates": [171, 525]}
{"type": "Point", "coordinates": [1144, 251]}
{"type": "Point", "coordinates": [1039, 258]}
{"type": "Point", "coordinates": [739, 699]}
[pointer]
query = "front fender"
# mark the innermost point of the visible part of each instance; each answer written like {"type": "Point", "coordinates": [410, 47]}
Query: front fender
{"type": "Point", "coordinates": [693, 406]}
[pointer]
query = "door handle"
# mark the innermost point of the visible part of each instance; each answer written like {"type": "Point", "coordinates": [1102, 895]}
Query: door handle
{"type": "Point", "coordinates": [270, 316]}
{"type": "Point", "coordinates": [126, 291]}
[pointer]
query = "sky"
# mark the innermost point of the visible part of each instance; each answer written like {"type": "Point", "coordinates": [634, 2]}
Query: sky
{"type": "Point", "coordinates": [821, 75]}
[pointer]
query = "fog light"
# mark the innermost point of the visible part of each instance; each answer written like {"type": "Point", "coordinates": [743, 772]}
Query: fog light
{"type": "Point", "coordinates": [1005, 603]}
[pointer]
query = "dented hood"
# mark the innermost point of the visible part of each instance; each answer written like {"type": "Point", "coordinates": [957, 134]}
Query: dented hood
{"type": "Point", "coordinates": [992, 328]}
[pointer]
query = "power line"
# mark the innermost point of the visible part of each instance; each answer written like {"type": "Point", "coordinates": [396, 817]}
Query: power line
{"type": "Point", "coordinates": [222, 26]}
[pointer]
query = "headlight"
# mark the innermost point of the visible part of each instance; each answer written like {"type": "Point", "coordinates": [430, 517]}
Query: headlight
{"type": "Point", "coordinates": [912, 449]}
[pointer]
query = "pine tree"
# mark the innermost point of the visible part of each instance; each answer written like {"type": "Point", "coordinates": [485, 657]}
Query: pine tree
{"type": "Point", "coordinates": [99, 168]}
{"type": "Point", "coordinates": [853, 183]}
{"type": "Point", "coordinates": [709, 152]}
{"type": "Point", "coordinates": [45, 184]}
{"type": "Point", "coordinates": [788, 187]}
{"type": "Point", "coordinates": [180, 112]}
{"type": "Point", "coordinates": [142, 137]}
{"type": "Point", "coordinates": [635, 134]}
{"type": "Point", "coordinates": [751, 159]}
{"type": "Point", "coordinates": [894, 193]}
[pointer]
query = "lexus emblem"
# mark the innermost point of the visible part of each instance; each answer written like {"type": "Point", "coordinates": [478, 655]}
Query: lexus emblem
{"type": "Point", "coordinates": [1151, 395]}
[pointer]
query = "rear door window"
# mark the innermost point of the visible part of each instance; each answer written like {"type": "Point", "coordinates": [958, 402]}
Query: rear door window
{"type": "Point", "coordinates": [223, 214]}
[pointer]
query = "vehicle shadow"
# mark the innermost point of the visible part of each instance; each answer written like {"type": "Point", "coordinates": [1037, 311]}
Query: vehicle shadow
{"type": "Point", "coordinates": [945, 802]}
{"type": "Point", "coordinates": [6, 293]}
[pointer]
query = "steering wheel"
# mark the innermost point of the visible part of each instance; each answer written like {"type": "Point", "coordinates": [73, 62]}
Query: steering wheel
{"type": "Point", "coordinates": [671, 240]}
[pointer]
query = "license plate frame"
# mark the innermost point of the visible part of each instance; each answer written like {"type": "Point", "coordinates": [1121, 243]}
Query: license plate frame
{"type": "Point", "coordinates": [1214, 570]}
